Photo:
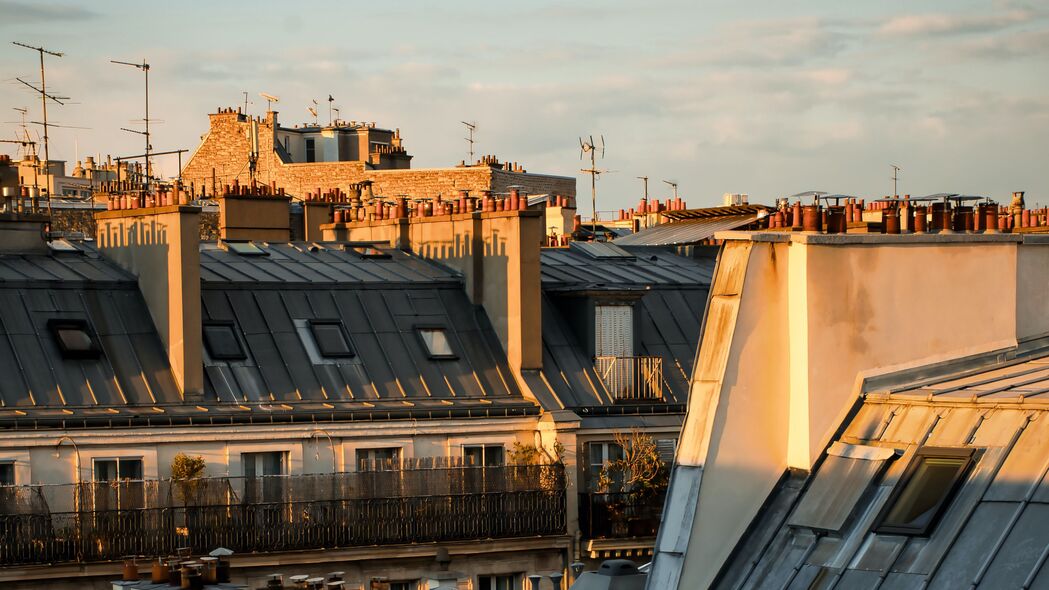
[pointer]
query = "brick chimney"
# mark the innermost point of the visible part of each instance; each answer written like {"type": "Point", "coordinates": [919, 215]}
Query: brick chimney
{"type": "Point", "coordinates": [498, 254]}
{"type": "Point", "coordinates": [160, 245]}
{"type": "Point", "coordinates": [265, 218]}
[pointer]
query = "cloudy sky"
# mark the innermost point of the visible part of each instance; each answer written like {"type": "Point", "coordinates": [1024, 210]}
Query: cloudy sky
{"type": "Point", "coordinates": [766, 97]}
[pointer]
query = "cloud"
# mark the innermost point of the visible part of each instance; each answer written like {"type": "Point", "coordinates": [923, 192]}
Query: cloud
{"type": "Point", "coordinates": [20, 13]}
{"type": "Point", "coordinates": [924, 25]}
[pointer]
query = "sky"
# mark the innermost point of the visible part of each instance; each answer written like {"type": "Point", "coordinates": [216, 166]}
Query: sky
{"type": "Point", "coordinates": [768, 98]}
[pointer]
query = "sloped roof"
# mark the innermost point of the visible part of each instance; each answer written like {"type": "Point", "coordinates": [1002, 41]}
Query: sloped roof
{"type": "Point", "coordinates": [688, 231]}
{"type": "Point", "coordinates": [993, 533]}
{"type": "Point", "coordinates": [574, 268]}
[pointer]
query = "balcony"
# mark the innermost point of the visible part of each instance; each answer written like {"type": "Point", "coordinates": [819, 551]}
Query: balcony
{"type": "Point", "coordinates": [620, 524]}
{"type": "Point", "coordinates": [632, 378]}
{"type": "Point", "coordinates": [93, 522]}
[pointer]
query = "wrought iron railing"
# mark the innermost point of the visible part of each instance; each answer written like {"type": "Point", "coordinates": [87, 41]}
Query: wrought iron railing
{"type": "Point", "coordinates": [632, 378]}
{"type": "Point", "coordinates": [620, 515]}
{"type": "Point", "coordinates": [105, 521]}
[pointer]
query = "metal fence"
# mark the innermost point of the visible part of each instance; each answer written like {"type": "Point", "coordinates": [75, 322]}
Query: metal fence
{"type": "Point", "coordinates": [620, 515]}
{"type": "Point", "coordinates": [632, 378]}
{"type": "Point", "coordinates": [105, 521]}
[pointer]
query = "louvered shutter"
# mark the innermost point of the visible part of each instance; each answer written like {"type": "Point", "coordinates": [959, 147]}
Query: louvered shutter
{"type": "Point", "coordinates": [614, 330]}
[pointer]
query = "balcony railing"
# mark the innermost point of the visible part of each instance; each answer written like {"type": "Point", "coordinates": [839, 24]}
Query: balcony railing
{"type": "Point", "coordinates": [632, 378]}
{"type": "Point", "coordinates": [104, 521]}
{"type": "Point", "coordinates": [620, 515]}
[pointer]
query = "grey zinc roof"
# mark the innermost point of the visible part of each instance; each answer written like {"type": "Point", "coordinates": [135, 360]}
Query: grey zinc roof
{"type": "Point", "coordinates": [35, 288]}
{"type": "Point", "coordinates": [689, 231]}
{"type": "Point", "coordinates": [573, 268]}
{"type": "Point", "coordinates": [318, 263]}
{"type": "Point", "coordinates": [995, 530]}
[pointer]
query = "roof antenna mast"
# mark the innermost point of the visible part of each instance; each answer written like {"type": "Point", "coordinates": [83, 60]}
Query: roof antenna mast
{"type": "Point", "coordinates": [145, 70]}
{"type": "Point", "coordinates": [674, 186]}
{"type": "Point", "coordinates": [589, 147]}
{"type": "Point", "coordinates": [895, 177]}
{"type": "Point", "coordinates": [644, 179]}
{"type": "Point", "coordinates": [470, 128]}
{"type": "Point", "coordinates": [44, 96]}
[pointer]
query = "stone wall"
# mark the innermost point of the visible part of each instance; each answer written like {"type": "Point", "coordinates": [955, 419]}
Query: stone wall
{"type": "Point", "coordinates": [223, 157]}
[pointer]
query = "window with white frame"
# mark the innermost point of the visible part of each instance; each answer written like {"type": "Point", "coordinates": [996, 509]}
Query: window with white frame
{"type": "Point", "coordinates": [613, 330]}
{"type": "Point", "coordinates": [499, 582]}
{"type": "Point", "coordinates": [600, 454]}
{"type": "Point", "coordinates": [118, 468]}
{"type": "Point", "coordinates": [263, 464]}
{"type": "Point", "coordinates": [488, 455]}
{"type": "Point", "coordinates": [380, 459]}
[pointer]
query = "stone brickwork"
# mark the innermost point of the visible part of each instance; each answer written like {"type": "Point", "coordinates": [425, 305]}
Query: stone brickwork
{"type": "Point", "coordinates": [222, 157]}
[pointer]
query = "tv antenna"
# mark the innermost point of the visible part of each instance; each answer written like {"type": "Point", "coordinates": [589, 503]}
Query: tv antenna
{"type": "Point", "coordinates": [246, 101]}
{"type": "Point", "coordinates": [270, 99]}
{"type": "Point", "coordinates": [895, 177]}
{"type": "Point", "coordinates": [672, 185]}
{"type": "Point", "coordinates": [145, 70]}
{"type": "Point", "coordinates": [336, 109]}
{"type": "Point", "coordinates": [330, 101]}
{"type": "Point", "coordinates": [470, 128]}
{"type": "Point", "coordinates": [589, 147]}
{"type": "Point", "coordinates": [44, 96]}
{"type": "Point", "coordinates": [644, 179]}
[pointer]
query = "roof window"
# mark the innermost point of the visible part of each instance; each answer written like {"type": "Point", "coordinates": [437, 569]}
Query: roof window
{"type": "Point", "coordinates": [435, 340]}
{"type": "Point", "coordinates": [222, 342]}
{"type": "Point", "coordinates": [243, 248]}
{"type": "Point", "coordinates": [366, 251]}
{"type": "Point", "coordinates": [331, 338]}
{"type": "Point", "coordinates": [74, 338]}
{"type": "Point", "coordinates": [924, 491]}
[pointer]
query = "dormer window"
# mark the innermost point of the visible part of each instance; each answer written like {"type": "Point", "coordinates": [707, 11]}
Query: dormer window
{"type": "Point", "coordinates": [222, 343]}
{"type": "Point", "coordinates": [435, 341]}
{"type": "Point", "coordinates": [75, 338]}
{"type": "Point", "coordinates": [924, 491]}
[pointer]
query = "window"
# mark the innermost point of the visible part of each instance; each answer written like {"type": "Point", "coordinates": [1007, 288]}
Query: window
{"type": "Point", "coordinates": [404, 585]}
{"type": "Point", "coordinates": [600, 454]}
{"type": "Point", "coordinates": [243, 248]}
{"type": "Point", "coordinates": [311, 151]}
{"type": "Point", "coordinates": [498, 582]}
{"type": "Point", "coordinates": [331, 338]}
{"type": "Point", "coordinates": [487, 455]}
{"type": "Point", "coordinates": [384, 459]}
{"type": "Point", "coordinates": [365, 251]}
{"type": "Point", "coordinates": [924, 491]}
{"type": "Point", "coordinates": [613, 330]}
{"type": "Point", "coordinates": [435, 341]}
{"type": "Point", "coordinates": [263, 464]}
{"type": "Point", "coordinates": [222, 342]}
{"type": "Point", "coordinates": [75, 338]}
{"type": "Point", "coordinates": [7, 473]}
{"type": "Point", "coordinates": [121, 468]}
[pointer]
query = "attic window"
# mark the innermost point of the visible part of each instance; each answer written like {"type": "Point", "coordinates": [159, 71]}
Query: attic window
{"type": "Point", "coordinates": [62, 245]}
{"type": "Point", "coordinates": [222, 342]}
{"type": "Point", "coordinates": [435, 340]}
{"type": "Point", "coordinates": [368, 252]}
{"type": "Point", "coordinates": [74, 338]}
{"type": "Point", "coordinates": [331, 338]}
{"type": "Point", "coordinates": [924, 491]}
{"type": "Point", "coordinates": [244, 248]}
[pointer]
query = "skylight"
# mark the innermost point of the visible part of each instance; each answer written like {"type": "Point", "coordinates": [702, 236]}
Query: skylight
{"type": "Point", "coordinates": [366, 251]}
{"type": "Point", "coordinates": [924, 491]}
{"type": "Point", "coordinates": [435, 340]}
{"type": "Point", "coordinates": [74, 338]}
{"type": "Point", "coordinates": [222, 342]}
{"type": "Point", "coordinates": [243, 248]}
{"type": "Point", "coordinates": [331, 338]}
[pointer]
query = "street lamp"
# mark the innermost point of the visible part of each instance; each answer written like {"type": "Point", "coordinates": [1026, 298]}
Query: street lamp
{"type": "Point", "coordinates": [331, 442]}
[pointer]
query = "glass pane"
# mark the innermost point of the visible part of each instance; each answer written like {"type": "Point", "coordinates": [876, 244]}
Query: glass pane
{"type": "Point", "coordinates": [924, 492]}
{"type": "Point", "coordinates": [473, 455]}
{"type": "Point", "coordinates": [129, 468]}
{"type": "Point", "coordinates": [222, 343]}
{"type": "Point", "coordinates": [7, 474]}
{"type": "Point", "coordinates": [436, 342]}
{"type": "Point", "coordinates": [493, 455]}
{"type": "Point", "coordinates": [74, 339]}
{"type": "Point", "coordinates": [484, 583]}
{"type": "Point", "coordinates": [331, 339]}
{"type": "Point", "coordinates": [105, 469]}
